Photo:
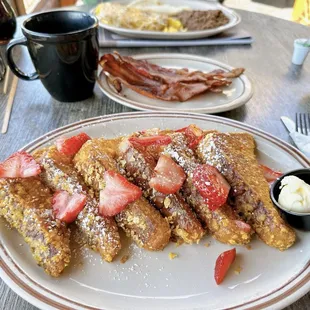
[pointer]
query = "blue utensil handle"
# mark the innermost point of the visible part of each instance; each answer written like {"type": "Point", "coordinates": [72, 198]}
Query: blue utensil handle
{"type": "Point", "coordinates": [18, 72]}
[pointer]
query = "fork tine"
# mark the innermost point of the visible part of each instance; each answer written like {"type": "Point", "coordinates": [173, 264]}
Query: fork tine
{"type": "Point", "coordinates": [296, 122]}
{"type": "Point", "coordinates": [309, 123]}
{"type": "Point", "coordinates": [306, 116]}
{"type": "Point", "coordinates": [305, 123]}
{"type": "Point", "coordinates": [301, 123]}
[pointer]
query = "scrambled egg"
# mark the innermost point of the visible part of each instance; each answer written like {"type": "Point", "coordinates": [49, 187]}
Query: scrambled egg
{"type": "Point", "coordinates": [119, 15]}
{"type": "Point", "coordinates": [174, 25]}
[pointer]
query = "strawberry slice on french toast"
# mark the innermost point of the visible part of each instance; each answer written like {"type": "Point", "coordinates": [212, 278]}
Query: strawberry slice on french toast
{"type": "Point", "coordinates": [150, 141]}
{"type": "Point", "coordinates": [169, 176]}
{"type": "Point", "coordinates": [67, 207]}
{"type": "Point", "coordinates": [193, 135]}
{"type": "Point", "coordinates": [117, 194]}
{"type": "Point", "coordinates": [19, 165]}
{"type": "Point", "coordinates": [270, 174]}
{"type": "Point", "coordinates": [71, 145]}
{"type": "Point", "coordinates": [211, 185]}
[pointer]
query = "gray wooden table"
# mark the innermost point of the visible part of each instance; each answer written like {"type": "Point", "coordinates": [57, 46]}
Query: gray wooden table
{"type": "Point", "coordinates": [280, 89]}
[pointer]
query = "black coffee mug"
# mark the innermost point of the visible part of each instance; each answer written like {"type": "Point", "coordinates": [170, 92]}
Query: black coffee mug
{"type": "Point", "coordinates": [64, 49]}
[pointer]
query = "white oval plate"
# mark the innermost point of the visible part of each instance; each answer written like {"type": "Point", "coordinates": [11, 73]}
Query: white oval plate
{"type": "Point", "coordinates": [234, 96]}
{"type": "Point", "coordinates": [269, 279]}
{"type": "Point", "coordinates": [234, 19]}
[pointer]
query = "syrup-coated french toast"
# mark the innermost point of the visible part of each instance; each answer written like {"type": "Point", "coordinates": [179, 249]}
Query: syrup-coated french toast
{"type": "Point", "coordinates": [234, 156]}
{"type": "Point", "coordinates": [142, 222]}
{"type": "Point", "coordinates": [27, 206]}
{"type": "Point", "coordinates": [139, 165]}
{"type": "Point", "coordinates": [152, 184]}
{"type": "Point", "coordinates": [222, 223]}
{"type": "Point", "coordinates": [98, 232]}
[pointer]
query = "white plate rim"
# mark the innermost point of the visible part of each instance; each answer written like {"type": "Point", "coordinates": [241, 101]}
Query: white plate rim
{"type": "Point", "coordinates": [236, 103]}
{"type": "Point", "coordinates": [234, 18]}
{"type": "Point", "coordinates": [296, 287]}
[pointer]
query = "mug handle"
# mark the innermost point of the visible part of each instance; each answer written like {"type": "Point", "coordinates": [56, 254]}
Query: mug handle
{"type": "Point", "coordinates": [11, 62]}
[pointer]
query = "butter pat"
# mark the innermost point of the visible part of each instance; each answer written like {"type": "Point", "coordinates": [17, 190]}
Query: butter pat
{"type": "Point", "coordinates": [294, 195]}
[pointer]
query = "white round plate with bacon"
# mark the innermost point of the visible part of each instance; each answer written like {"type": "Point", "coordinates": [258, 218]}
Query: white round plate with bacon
{"type": "Point", "coordinates": [178, 82]}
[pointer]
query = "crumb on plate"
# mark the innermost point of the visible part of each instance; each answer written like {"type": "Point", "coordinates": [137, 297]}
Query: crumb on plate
{"type": "Point", "coordinates": [172, 255]}
{"type": "Point", "coordinates": [179, 242]}
{"type": "Point", "coordinates": [124, 259]}
{"type": "Point", "coordinates": [238, 270]}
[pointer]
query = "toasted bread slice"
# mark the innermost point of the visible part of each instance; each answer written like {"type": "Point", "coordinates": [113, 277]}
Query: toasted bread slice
{"type": "Point", "coordinates": [98, 232]}
{"type": "Point", "coordinates": [142, 222]}
{"type": "Point", "coordinates": [27, 205]}
{"type": "Point", "coordinates": [234, 156]}
{"type": "Point", "coordinates": [223, 223]}
{"type": "Point", "coordinates": [139, 165]}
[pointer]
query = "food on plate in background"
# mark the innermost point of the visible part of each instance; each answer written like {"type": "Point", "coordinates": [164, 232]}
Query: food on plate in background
{"type": "Point", "coordinates": [118, 15]}
{"type": "Point", "coordinates": [153, 15]}
{"type": "Point", "coordinates": [202, 20]}
{"type": "Point", "coordinates": [163, 83]}
{"type": "Point", "coordinates": [158, 7]}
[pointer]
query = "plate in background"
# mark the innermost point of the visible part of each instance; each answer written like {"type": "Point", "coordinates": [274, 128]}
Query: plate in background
{"type": "Point", "coordinates": [234, 19]}
{"type": "Point", "coordinates": [234, 96]}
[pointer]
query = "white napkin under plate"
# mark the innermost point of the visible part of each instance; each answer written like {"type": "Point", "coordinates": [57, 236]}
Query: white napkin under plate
{"type": "Point", "coordinates": [302, 142]}
{"type": "Point", "coordinates": [230, 37]}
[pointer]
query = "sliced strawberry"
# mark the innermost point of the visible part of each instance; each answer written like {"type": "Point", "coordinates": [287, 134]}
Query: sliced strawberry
{"type": "Point", "coordinates": [67, 207]}
{"type": "Point", "coordinates": [148, 141]}
{"type": "Point", "coordinates": [211, 185]}
{"type": "Point", "coordinates": [243, 226]}
{"type": "Point", "coordinates": [169, 176]}
{"type": "Point", "coordinates": [222, 265]}
{"type": "Point", "coordinates": [269, 174]}
{"type": "Point", "coordinates": [117, 194]}
{"type": "Point", "coordinates": [193, 135]}
{"type": "Point", "coordinates": [19, 165]}
{"type": "Point", "coordinates": [71, 145]}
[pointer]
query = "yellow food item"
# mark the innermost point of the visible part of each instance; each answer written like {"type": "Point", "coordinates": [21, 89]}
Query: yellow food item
{"type": "Point", "coordinates": [174, 25]}
{"type": "Point", "coordinates": [172, 255]}
{"type": "Point", "coordinates": [118, 15]}
{"type": "Point", "coordinates": [238, 270]}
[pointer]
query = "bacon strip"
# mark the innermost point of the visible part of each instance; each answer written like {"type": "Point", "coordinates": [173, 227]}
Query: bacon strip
{"type": "Point", "coordinates": [163, 83]}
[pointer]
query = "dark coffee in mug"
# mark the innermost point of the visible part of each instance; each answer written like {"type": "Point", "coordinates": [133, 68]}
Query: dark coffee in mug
{"type": "Point", "coordinates": [64, 48]}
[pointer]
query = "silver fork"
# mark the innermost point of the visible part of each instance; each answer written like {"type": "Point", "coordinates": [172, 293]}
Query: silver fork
{"type": "Point", "coordinates": [303, 123]}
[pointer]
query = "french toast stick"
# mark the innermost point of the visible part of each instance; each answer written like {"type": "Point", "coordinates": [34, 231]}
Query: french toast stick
{"type": "Point", "coordinates": [234, 156]}
{"type": "Point", "coordinates": [139, 219]}
{"type": "Point", "coordinates": [98, 232]}
{"type": "Point", "coordinates": [26, 204]}
{"type": "Point", "coordinates": [223, 223]}
{"type": "Point", "coordinates": [139, 165]}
